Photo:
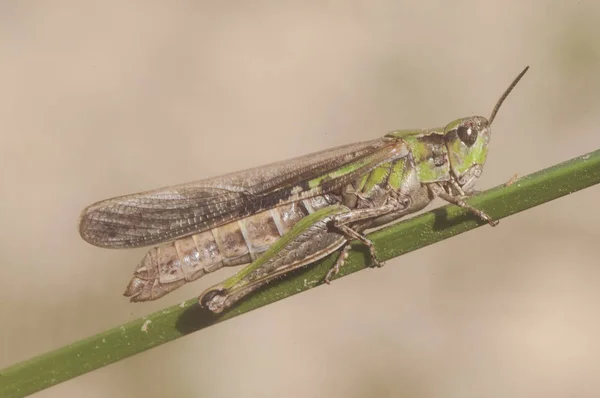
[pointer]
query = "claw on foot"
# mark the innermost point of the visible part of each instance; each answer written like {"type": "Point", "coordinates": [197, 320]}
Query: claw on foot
{"type": "Point", "coordinates": [378, 263]}
{"type": "Point", "coordinates": [330, 274]}
{"type": "Point", "coordinates": [333, 271]}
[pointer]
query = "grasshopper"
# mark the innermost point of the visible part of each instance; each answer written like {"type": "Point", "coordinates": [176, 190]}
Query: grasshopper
{"type": "Point", "coordinates": [285, 215]}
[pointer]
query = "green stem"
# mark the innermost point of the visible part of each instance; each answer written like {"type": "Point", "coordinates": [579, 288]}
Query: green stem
{"type": "Point", "coordinates": [123, 341]}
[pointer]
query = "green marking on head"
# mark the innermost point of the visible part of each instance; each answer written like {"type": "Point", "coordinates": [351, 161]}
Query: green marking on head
{"type": "Point", "coordinates": [467, 140]}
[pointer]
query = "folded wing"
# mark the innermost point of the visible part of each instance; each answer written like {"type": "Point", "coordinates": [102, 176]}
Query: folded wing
{"type": "Point", "coordinates": [169, 213]}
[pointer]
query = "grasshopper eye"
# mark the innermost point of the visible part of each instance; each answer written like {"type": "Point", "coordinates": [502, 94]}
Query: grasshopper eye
{"type": "Point", "coordinates": [467, 135]}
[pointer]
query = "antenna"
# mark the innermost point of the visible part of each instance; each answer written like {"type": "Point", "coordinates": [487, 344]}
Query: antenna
{"type": "Point", "coordinates": [508, 90]}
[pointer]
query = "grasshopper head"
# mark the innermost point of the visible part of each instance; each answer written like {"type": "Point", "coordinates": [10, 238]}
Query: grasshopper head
{"type": "Point", "coordinates": [467, 140]}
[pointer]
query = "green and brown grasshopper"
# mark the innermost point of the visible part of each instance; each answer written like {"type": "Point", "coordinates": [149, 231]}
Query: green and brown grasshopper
{"type": "Point", "coordinates": [286, 215]}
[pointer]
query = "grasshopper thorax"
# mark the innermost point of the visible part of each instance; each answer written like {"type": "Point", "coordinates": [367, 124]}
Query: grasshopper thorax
{"type": "Point", "coordinates": [467, 141]}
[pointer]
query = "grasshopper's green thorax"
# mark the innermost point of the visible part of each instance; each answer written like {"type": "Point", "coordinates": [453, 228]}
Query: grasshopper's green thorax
{"type": "Point", "coordinates": [430, 156]}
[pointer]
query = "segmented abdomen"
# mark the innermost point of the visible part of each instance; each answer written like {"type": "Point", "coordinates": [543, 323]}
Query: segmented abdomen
{"type": "Point", "coordinates": [167, 267]}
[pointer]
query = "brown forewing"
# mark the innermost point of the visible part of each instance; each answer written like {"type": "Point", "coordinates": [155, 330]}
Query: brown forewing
{"type": "Point", "coordinates": [165, 214]}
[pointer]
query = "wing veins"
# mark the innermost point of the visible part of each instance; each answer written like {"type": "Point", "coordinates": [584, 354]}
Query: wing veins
{"type": "Point", "coordinates": [169, 213]}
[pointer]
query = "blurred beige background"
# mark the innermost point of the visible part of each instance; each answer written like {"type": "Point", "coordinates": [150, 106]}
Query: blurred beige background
{"type": "Point", "coordinates": [99, 99]}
